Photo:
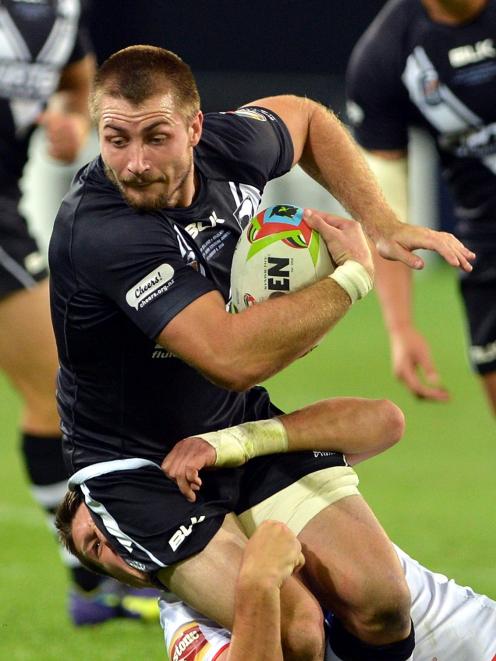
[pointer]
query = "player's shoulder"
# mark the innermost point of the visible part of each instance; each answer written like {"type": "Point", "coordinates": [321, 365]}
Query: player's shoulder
{"type": "Point", "coordinates": [250, 144]}
{"type": "Point", "coordinates": [385, 36]}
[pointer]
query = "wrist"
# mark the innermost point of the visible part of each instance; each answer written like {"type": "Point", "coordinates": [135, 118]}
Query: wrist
{"type": "Point", "coordinates": [236, 445]}
{"type": "Point", "coordinates": [354, 278]}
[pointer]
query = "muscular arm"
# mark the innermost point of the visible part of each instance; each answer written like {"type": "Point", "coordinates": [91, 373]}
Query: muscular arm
{"type": "Point", "coordinates": [238, 351]}
{"type": "Point", "coordinates": [325, 149]}
{"type": "Point", "coordinates": [359, 428]}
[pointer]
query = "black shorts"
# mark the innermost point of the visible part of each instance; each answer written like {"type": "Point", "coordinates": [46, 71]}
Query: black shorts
{"type": "Point", "coordinates": [21, 264]}
{"type": "Point", "coordinates": [151, 524]}
{"type": "Point", "coordinates": [478, 290]}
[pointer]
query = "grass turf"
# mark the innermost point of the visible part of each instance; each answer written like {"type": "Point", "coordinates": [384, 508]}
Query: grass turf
{"type": "Point", "coordinates": [433, 493]}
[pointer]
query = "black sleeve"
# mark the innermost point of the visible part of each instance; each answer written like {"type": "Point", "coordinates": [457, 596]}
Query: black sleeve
{"type": "Point", "coordinates": [376, 98]}
{"type": "Point", "coordinates": [251, 145]}
{"type": "Point", "coordinates": [137, 263]}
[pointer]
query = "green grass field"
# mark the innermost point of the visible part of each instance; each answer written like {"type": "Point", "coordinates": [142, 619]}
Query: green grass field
{"type": "Point", "coordinates": [434, 493]}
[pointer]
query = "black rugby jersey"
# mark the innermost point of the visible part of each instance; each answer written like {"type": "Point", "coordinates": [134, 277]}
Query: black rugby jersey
{"type": "Point", "coordinates": [409, 70]}
{"type": "Point", "coordinates": [37, 40]}
{"type": "Point", "coordinates": [118, 276]}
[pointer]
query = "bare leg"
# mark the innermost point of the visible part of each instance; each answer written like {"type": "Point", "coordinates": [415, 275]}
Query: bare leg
{"type": "Point", "coordinates": [489, 384]}
{"type": "Point", "coordinates": [207, 583]}
{"type": "Point", "coordinates": [29, 358]}
{"type": "Point", "coordinates": [353, 570]}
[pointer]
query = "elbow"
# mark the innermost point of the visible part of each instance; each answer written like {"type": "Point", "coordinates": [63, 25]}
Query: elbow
{"type": "Point", "coordinates": [235, 380]}
{"type": "Point", "coordinates": [237, 375]}
{"type": "Point", "coordinates": [393, 421]}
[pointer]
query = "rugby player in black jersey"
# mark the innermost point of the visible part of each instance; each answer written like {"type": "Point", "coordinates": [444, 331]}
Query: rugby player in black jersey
{"type": "Point", "coordinates": [140, 260]}
{"type": "Point", "coordinates": [432, 63]}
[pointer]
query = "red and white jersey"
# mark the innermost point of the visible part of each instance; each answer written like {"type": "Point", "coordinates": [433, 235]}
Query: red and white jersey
{"type": "Point", "coordinates": [188, 635]}
{"type": "Point", "coordinates": [452, 623]}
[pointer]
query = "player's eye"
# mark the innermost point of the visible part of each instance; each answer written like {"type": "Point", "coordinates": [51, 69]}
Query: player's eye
{"type": "Point", "coordinates": [158, 139]}
{"type": "Point", "coordinates": [117, 141]}
{"type": "Point", "coordinates": [97, 547]}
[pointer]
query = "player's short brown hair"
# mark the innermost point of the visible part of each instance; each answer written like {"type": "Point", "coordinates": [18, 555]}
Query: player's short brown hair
{"type": "Point", "coordinates": [64, 518]}
{"type": "Point", "coordinates": [139, 72]}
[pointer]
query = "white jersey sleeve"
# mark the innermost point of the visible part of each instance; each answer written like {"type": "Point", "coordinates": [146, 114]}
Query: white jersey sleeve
{"type": "Point", "coordinates": [452, 623]}
{"type": "Point", "coordinates": [189, 636]}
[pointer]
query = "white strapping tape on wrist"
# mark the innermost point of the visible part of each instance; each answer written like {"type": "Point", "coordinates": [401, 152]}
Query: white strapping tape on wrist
{"type": "Point", "coordinates": [354, 278]}
{"type": "Point", "coordinates": [236, 445]}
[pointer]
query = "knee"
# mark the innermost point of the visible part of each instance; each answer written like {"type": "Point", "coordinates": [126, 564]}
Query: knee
{"type": "Point", "coordinates": [393, 421]}
{"type": "Point", "coordinates": [303, 634]}
{"type": "Point", "coordinates": [384, 616]}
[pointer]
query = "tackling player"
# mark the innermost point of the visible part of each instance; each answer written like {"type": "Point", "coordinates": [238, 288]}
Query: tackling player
{"type": "Point", "coordinates": [452, 623]}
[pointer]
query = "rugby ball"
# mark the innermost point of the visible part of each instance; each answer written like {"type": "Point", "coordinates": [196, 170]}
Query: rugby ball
{"type": "Point", "coordinates": [277, 253]}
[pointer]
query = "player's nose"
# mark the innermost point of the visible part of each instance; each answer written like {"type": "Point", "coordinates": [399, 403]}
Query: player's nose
{"type": "Point", "coordinates": [137, 163]}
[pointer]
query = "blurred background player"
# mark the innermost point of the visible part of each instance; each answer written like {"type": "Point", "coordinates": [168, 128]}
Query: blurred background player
{"type": "Point", "coordinates": [46, 69]}
{"type": "Point", "coordinates": [432, 63]}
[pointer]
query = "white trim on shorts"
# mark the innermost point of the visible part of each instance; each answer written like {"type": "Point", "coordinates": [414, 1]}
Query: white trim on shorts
{"type": "Point", "coordinates": [16, 270]}
{"type": "Point", "coordinates": [104, 467]}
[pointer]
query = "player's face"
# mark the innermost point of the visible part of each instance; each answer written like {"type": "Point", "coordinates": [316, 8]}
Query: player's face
{"type": "Point", "coordinates": [93, 545]}
{"type": "Point", "coordinates": [148, 151]}
{"type": "Point", "coordinates": [459, 9]}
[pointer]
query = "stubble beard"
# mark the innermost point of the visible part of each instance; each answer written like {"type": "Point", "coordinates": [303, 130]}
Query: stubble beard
{"type": "Point", "coordinates": [159, 200]}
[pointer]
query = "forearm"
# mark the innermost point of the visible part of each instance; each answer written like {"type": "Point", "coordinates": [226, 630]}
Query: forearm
{"type": "Point", "coordinates": [259, 341]}
{"type": "Point", "coordinates": [394, 290]}
{"type": "Point", "coordinates": [256, 630]}
{"type": "Point", "coordinates": [351, 425]}
{"type": "Point", "coordinates": [279, 330]}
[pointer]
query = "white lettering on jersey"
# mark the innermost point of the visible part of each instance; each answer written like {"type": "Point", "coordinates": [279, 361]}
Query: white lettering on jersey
{"type": "Point", "coordinates": [194, 229]}
{"type": "Point", "coordinates": [184, 531]}
{"type": "Point", "coordinates": [485, 354]}
{"type": "Point", "coordinates": [472, 53]}
{"type": "Point", "coordinates": [151, 286]}
{"type": "Point", "coordinates": [160, 352]}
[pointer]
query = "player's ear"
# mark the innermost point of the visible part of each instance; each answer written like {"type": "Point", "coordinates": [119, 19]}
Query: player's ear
{"type": "Point", "coordinates": [195, 129]}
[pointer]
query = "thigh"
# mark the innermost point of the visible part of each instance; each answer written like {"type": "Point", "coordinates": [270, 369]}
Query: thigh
{"type": "Point", "coordinates": [28, 353]}
{"type": "Point", "coordinates": [350, 561]}
{"type": "Point", "coordinates": [207, 582]}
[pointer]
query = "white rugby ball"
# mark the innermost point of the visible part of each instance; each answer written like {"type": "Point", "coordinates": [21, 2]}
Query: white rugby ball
{"type": "Point", "coordinates": [277, 253]}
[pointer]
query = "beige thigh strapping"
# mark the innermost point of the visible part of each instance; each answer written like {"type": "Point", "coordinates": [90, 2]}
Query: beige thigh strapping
{"type": "Point", "coordinates": [297, 504]}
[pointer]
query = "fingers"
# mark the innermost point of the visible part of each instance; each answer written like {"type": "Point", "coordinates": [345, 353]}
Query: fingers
{"type": "Point", "coordinates": [430, 390]}
{"type": "Point", "coordinates": [189, 483]}
{"type": "Point", "coordinates": [454, 252]}
{"type": "Point", "coordinates": [393, 250]}
{"type": "Point", "coordinates": [329, 219]}
{"type": "Point", "coordinates": [407, 238]}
